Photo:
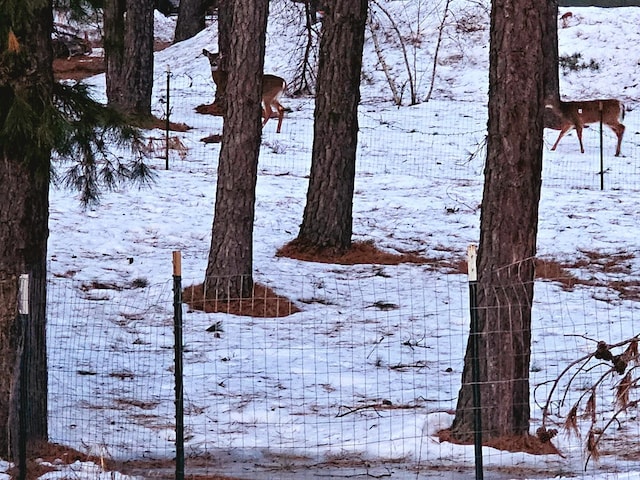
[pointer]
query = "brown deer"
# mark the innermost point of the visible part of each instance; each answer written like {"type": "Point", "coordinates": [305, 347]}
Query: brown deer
{"type": "Point", "coordinates": [567, 115]}
{"type": "Point", "coordinates": [272, 88]}
{"type": "Point", "coordinates": [565, 19]}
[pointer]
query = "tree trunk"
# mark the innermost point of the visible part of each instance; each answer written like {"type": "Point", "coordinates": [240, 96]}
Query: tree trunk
{"type": "Point", "coordinates": [225, 32]}
{"type": "Point", "coordinates": [24, 208]}
{"type": "Point", "coordinates": [551, 70]}
{"type": "Point", "coordinates": [190, 19]}
{"type": "Point", "coordinates": [328, 218]}
{"type": "Point", "coordinates": [508, 224]}
{"type": "Point", "coordinates": [550, 49]}
{"type": "Point", "coordinates": [229, 269]}
{"type": "Point", "coordinates": [128, 50]}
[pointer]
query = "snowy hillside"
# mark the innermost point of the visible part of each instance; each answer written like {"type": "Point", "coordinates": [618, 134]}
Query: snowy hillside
{"type": "Point", "coordinates": [391, 338]}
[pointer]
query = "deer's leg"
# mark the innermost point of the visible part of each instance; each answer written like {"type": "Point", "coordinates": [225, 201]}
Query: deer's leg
{"type": "Point", "coordinates": [563, 132]}
{"type": "Point", "coordinates": [579, 133]}
{"type": "Point", "coordinates": [280, 116]}
{"type": "Point", "coordinates": [266, 113]}
{"type": "Point", "coordinates": [618, 129]}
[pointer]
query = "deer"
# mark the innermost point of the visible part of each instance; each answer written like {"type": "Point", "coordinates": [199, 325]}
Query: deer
{"type": "Point", "coordinates": [272, 88]}
{"type": "Point", "coordinates": [565, 19]}
{"type": "Point", "coordinates": [564, 116]}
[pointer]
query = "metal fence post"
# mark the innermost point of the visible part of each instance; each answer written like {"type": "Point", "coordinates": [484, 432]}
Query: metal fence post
{"type": "Point", "coordinates": [601, 150]}
{"type": "Point", "coordinates": [167, 122]}
{"type": "Point", "coordinates": [475, 362]}
{"type": "Point", "coordinates": [178, 370]}
{"type": "Point", "coordinates": [23, 318]}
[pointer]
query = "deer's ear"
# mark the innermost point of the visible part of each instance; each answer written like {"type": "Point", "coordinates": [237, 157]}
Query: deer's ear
{"type": "Point", "coordinates": [205, 52]}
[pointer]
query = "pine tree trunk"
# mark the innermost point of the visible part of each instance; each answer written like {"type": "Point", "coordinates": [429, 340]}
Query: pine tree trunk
{"type": "Point", "coordinates": [229, 270]}
{"type": "Point", "coordinates": [551, 73]}
{"type": "Point", "coordinates": [128, 48]}
{"type": "Point", "coordinates": [328, 214]}
{"type": "Point", "coordinates": [24, 210]}
{"type": "Point", "coordinates": [190, 19]}
{"type": "Point", "coordinates": [225, 32]}
{"type": "Point", "coordinates": [550, 49]}
{"type": "Point", "coordinates": [508, 225]}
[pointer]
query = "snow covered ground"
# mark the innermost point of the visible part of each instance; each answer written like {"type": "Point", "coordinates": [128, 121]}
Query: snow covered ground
{"type": "Point", "coordinates": [370, 369]}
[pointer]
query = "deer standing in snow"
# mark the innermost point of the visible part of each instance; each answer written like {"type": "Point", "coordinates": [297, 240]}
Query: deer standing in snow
{"type": "Point", "coordinates": [272, 89]}
{"type": "Point", "coordinates": [567, 115]}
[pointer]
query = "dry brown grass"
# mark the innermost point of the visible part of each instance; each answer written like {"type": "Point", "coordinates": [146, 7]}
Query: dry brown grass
{"type": "Point", "coordinates": [77, 68]}
{"type": "Point", "coordinates": [359, 253]}
{"type": "Point", "coordinates": [512, 443]}
{"type": "Point", "coordinates": [264, 303]}
{"type": "Point", "coordinates": [209, 109]}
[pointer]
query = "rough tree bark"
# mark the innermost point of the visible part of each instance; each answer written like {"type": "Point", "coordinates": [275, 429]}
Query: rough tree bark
{"type": "Point", "coordinates": [191, 16]}
{"type": "Point", "coordinates": [508, 225]}
{"type": "Point", "coordinates": [551, 70]}
{"type": "Point", "coordinates": [128, 50]}
{"type": "Point", "coordinates": [328, 218]}
{"type": "Point", "coordinates": [550, 49]}
{"type": "Point", "coordinates": [229, 269]}
{"type": "Point", "coordinates": [225, 32]}
{"type": "Point", "coordinates": [25, 73]}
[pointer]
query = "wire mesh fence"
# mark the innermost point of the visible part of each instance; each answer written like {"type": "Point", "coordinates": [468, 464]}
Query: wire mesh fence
{"type": "Point", "coordinates": [365, 375]}
{"type": "Point", "coordinates": [361, 380]}
{"type": "Point", "coordinates": [110, 364]}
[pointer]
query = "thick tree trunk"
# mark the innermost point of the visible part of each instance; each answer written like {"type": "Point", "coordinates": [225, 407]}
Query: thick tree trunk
{"type": "Point", "coordinates": [229, 270]}
{"type": "Point", "coordinates": [24, 209]}
{"type": "Point", "coordinates": [190, 19]}
{"type": "Point", "coordinates": [328, 215]}
{"type": "Point", "coordinates": [551, 70]}
{"type": "Point", "coordinates": [225, 32]}
{"type": "Point", "coordinates": [508, 225]}
{"type": "Point", "coordinates": [128, 49]}
{"type": "Point", "coordinates": [550, 49]}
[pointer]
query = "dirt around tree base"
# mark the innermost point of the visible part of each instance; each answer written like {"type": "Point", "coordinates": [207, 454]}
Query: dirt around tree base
{"type": "Point", "coordinates": [510, 443]}
{"type": "Point", "coordinates": [77, 68]}
{"type": "Point", "coordinates": [152, 122]}
{"type": "Point", "coordinates": [264, 303]}
{"type": "Point", "coordinates": [213, 138]}
{"type": "Point", "coordinates": [209, 109]}
{"type": "Point", "coordinates": [359, 253]}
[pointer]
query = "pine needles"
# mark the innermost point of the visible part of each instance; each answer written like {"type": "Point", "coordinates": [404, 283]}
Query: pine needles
{"type": "Point", "coordinates": [101, 145]}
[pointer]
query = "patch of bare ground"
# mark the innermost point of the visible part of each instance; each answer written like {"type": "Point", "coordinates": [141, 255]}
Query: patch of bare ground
{"type": "Point", "coordinates": [361, 253]}
{"type": "Point", "coordinates": [54, 454]}
{"type": "Point", "coordinates": [213, 138]}
{"type": "Point", "coordinates": [79, 67]}
{"type": "Point", "coordinates": [151, 122]}
{"type": "Point", "coordinates": [209, 109]}
{"type": "Point", "coordinates": [59, 455]}
{"type": "Point", "coordinates": [215, 110]}
{"type": "Point", "coordinates": [263, 303]}
{"type": "Point", "coordinates": [510, 443]}
{"type": "Point", "coordinates": [600, 267]}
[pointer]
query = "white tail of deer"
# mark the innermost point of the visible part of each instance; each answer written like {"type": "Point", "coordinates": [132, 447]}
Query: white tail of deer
{"type": "Point", "coordinates": [272, 89]}
{"type": "Point", "coordinates": [568, 115]}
